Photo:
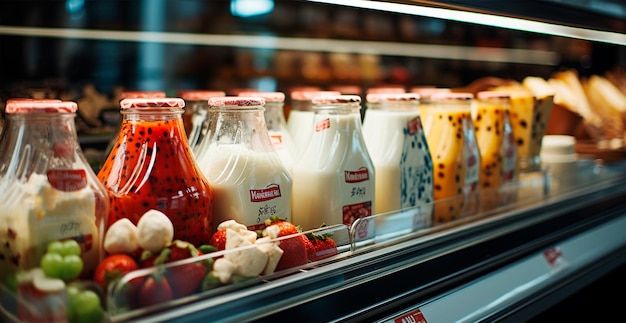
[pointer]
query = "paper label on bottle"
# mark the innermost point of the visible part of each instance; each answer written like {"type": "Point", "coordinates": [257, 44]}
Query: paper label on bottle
{"type": "Point", "coordinates": [358, 176]}
{"type": "Point", "coordinates": [277, 140]}
{"type": "Point", "coordinates": [322, 125]}
{"type": "Point", "coordinates": [356, 211]}
{"type": "Point", "coordinates": [272, 191]}
{"type": "Point", "coordinates": [413, 126]}
{"type": "Point", "coordinates": [412, 317]}
{"type": "Point", "coordinates": [67, 180]}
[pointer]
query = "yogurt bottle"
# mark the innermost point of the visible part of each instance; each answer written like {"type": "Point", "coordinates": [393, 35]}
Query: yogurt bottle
{"type": "Point", "coordinates": [277, 125]}
{"type": "Point", "coordinates": [456, 159]}
{"type": "Point", "coordinates": [152, 167]}
{"type": "Point", "coordinates": [49, 190]}
{"type": "Point", "coordinates": [334, 177]}
{"type": "Point", "coordinates": [488, 114]}
{"type": "Point", "coordinates": [195, 117]}
{"type": "Point", "coordinates": [396, 142]}
{"type": "Point", "coordinates": [300, 121]}
{"type": "Point", "coordinates": [425, 104]}
{"type": "Point", "coordinates": [250, 181]}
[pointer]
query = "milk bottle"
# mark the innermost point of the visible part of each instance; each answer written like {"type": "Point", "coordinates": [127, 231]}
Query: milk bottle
{"type": "Point", "coordinates": [250, 182]}
{"type": "Point", "coordinates": [195, 117]}
{"type": "Point", "coordinates": [277, 125]}
{"type": "Point", "coordinates": [333, 179]}
{"type": "Point", "coordinates": [455, 155]}
{"type": "Point", "coordinates": [300, 120]}
{"type": "Point", "coordinates": [49, 191]}
{"type": "Point", "coordinates": [396, 142]}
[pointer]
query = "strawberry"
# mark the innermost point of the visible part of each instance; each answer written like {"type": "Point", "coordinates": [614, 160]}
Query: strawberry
{"type": "Point", "coordinates": [294, 249]}
{"type": "Point", "coordinates": [310, 248]}
{"type": "Point", "coordinates": [155, 290]}
{"type": "Point", "coordinates": [218, 239]}
{"type": "Point", "coordinates": [185, 278]}
{"type": "Point", "coordinates": [112, 268]}
{"type": "Point", "coordinates": [324, 246]}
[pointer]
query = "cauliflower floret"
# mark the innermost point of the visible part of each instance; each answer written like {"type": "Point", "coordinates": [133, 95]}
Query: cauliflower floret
{"type": "Point", "coordinates": [250, 261]}
{"type": "Point", "coordinates": [121, 237]}
{"type": "Point", "coordinates": [271, 231]}
{"type": "Point", "coordinates": [223, 269]}
{"type": "Point", "coordinates": [273, 253]}
{"type": "Point", "coordinates": [235, 239]}
{"type": "Point", "coordinates": [232, 224]}
{"type": "Point", "coordinates": [155, 231]}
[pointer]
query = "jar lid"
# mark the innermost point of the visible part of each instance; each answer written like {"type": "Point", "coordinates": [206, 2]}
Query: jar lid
{"type": "Point", "coordinates": [379, 97]}
{"type": "Point", "coordinates": [331, 99]}
{"type": "Point", "coordinates": [428, 91]}
{"type": "Point", "coordinates": [15, 106]}
{"type": "Point", "coordinates": [140, 103]}
{"type": "Point", "coordinates": [452, 96]}
{"type": "Point", "coordinates": [230, 101]}
{"type": "Point", "coordinates": [199, 95]}
{"type": "Point", "coordinates": [141, 94]}
{"type": "Point", "coordinates": [268, 96]}
{"type": "Point", "coordinates": [484, 95]}
{"type": "Point", "coordinates": [308, 95]}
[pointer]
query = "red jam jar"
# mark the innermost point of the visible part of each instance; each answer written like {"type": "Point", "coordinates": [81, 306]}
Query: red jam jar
{"type": "Point", "coordinates": [152, 167]}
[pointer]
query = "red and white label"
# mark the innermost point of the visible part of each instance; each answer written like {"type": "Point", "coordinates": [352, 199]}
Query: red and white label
{"type": "Point", "coordinates": [356, 211]}
{"type": "Point", "coordinates": [553, 256]}
{"type": "Point", "coordinates": [67, 180]}
{"type": "Point", "coordinates": [360, 175]}
{"type": "Point", "coordinates": [265, 194]}
{"type": "Point", "coordinates": [414, 126]}
{"type": "Point", "coordinates": [411, 317]}
{"type": "Point", "coordinates": [321, 125]}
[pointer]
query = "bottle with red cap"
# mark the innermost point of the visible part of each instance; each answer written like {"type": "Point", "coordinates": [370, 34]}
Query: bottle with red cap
{"type": "Point", "coordinates": [152, 167]}
{"type": "Point", "coordinates": [49, 191]}
{"type": "Point", "coordinates": [195, 117]}
{"type": "Point", "coordinates": [334, 177]}
{"type": "Point", "coordinates": [397, 144]}
{"type": "Point", "coordinates": [251, 183]}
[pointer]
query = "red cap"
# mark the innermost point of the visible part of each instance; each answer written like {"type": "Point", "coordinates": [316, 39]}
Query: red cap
{"type": "Point", "coordinates": [141, 94]}
{"type": "Point", "coordinates": [378, 97]}
{"type": "Point", "coordinates": [140, 103]}
{"type": "Point", "coordinates": [459, 96]}
{"type": "Point", "coordinates": [326, 99]}
{"type": "Point", "coordinates": [14, 106]}
{"type": "Point", "coordinates": [308, 95]}
{"type": "Point", "coordinates": [230, 101]}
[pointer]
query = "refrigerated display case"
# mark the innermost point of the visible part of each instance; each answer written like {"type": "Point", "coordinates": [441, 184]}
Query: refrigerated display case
{"type": "Point", "coordinates": [562, 233]}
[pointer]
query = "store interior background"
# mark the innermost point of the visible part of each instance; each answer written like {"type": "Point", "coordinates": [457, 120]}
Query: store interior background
{"type": "Point", "coordinates": [172, 45]}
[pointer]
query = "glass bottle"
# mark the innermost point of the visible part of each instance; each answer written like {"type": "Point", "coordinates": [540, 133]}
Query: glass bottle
{"type": "Point", "coordinates": [300, 120]}
{"type": "Point", "coordinates": [425, 103]}
{"type": "Point", "coordinates": [489, 116]}
{"type": "Point", "coordinates": [396, 142]}
{"type": "Point", "coordinates": [250, 181]}
{"type": "Point", "coordinates": [195, 117]}
{"type": "Point", "coordinates": [152, 167]}
{"type": "Point", "coordinates": [49, 190]}
{"type": "Point", "coordinates": [277, 125]}
{"type": "Point", "coordinates": [456, 159]}
{"type": "Point", "coordinates": [334, 177]}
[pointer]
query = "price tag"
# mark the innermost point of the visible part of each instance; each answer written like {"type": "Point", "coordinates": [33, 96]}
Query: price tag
{"type": "Point", "coordinates": [554, 257]}
{"type": "Point", "coordinates": [411, 317]}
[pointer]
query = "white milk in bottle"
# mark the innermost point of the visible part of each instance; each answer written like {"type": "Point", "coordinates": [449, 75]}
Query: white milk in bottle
{"type": "Point", "coordinates": [397, 145]}
{"type": "Point", "coordinates": [300, 120]}
{"type": "Point", "coordinates": [277, 125]}
{"type": "Point", "coordinates": [250, 182]}
{"type": "Point", "coordinates": [333, 179]}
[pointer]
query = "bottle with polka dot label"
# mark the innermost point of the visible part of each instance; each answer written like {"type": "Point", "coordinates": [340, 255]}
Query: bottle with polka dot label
{"type": "Point", "coordinates": [396, 142]}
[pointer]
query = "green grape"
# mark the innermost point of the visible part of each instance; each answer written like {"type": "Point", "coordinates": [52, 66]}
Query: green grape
{"type": "Point", "coordinates": [84, 306]}
{"type": "Point", "coordinates": [72, 267]}
{"type": "Point", "coordinates": [52, 265]}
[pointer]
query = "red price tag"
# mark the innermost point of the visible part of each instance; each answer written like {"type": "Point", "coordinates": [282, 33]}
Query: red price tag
{"type": "Point", "coordinates": [411, 317]}
{"type": "Point", "coordinates": [553, 255]}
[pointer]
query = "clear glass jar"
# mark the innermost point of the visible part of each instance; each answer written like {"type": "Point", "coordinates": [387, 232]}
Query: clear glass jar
{"type": "Point", "coordinates": [195, 117]}
{"type": "Point", "coordinates": [49, 190]}
{"type": "Point", "coordinates": [250, 181]}
{"type": "Point", "coordinates": [300, 120]}
{"type": "Point", "coordinates": [152, 167]}
{"type": "Point", "coordinates": [277, 125]}
{"type": "Point", "coordinates": [455, 154]}
{"type": "Point", "coordinates": [334, 177]}
{"type": "Point", "coordinates": [396, 142]}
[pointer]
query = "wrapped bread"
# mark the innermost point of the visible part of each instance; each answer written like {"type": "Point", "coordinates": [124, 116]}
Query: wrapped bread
{"type": "Point", "coordinates": [610, 102]}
